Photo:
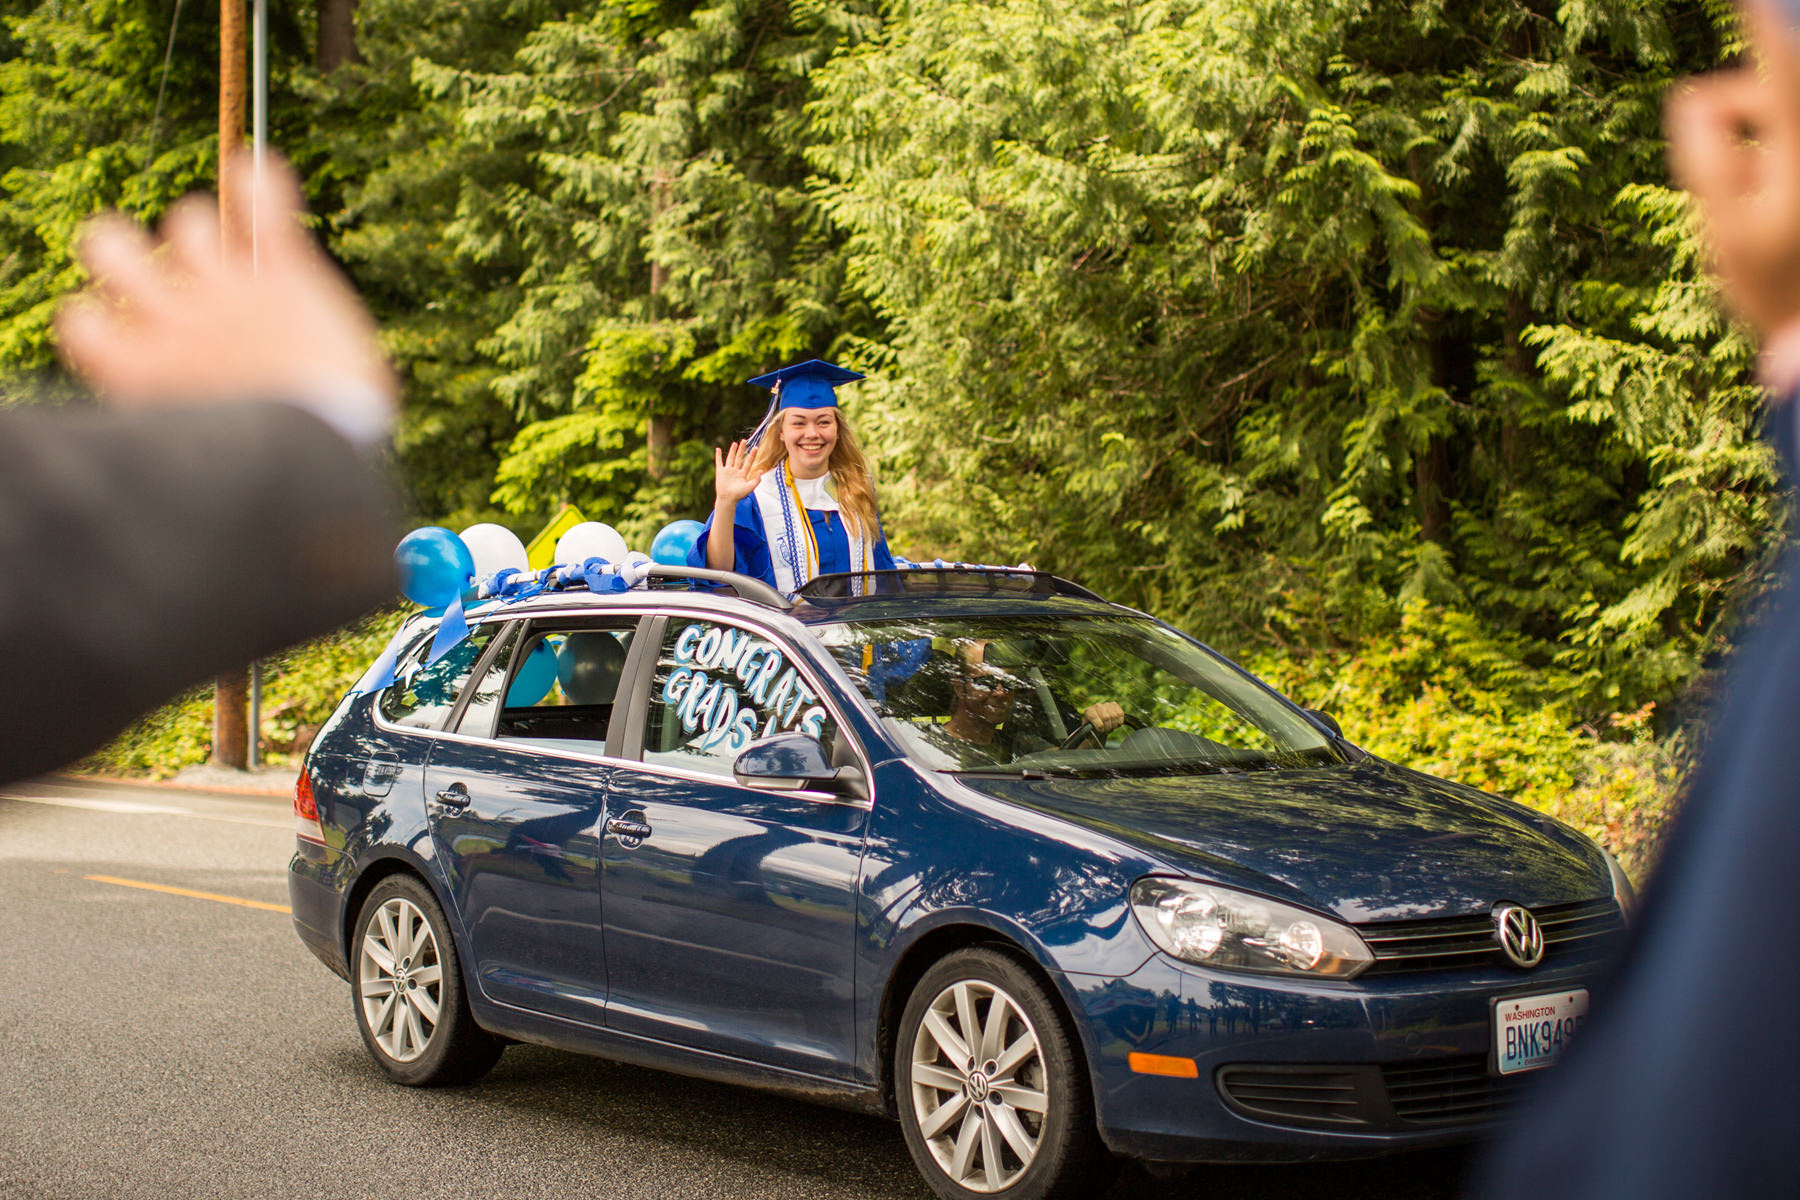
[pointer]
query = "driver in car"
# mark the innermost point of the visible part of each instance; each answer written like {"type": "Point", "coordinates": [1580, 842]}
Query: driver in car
{"type": "Point", "coordinates": [985, 688]}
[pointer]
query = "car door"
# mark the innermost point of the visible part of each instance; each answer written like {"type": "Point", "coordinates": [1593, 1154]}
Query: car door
{"type": "Point", "coordinates": [516, 795]}
{"type": "Point", "coordinates": [730, 910]}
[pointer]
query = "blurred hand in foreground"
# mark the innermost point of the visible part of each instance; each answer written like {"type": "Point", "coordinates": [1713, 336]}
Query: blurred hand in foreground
{"type": "Point", "coordinates": [186, 319]}
{"type": "Point", "coordinates": [1734, 144]}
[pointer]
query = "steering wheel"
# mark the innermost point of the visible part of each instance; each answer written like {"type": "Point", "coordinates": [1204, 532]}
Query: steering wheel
{"type": "Point", "coordinates": [1086, 729]}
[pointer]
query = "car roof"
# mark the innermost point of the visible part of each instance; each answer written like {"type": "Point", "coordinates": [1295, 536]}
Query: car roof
{"type": "Point", "coordinates": [934, 592]}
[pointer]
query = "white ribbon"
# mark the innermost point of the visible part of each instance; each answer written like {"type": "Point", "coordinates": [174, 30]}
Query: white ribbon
{"type": "Point", "coordinates": [793, 550]}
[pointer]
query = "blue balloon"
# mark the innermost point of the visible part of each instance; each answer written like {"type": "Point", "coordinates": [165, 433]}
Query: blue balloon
{"type": "Point", "coordinates": [677, 538]}
{"type": "Point", "coordinates": [535, 676]}
{"type": "Point", "coordinates": [434, 566]}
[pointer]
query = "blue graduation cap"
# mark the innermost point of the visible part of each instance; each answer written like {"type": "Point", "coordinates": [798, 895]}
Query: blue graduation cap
{"type": "Point", "coordinates": [803, 385]}
{"type": "Point", "coordinates": [807, 384]}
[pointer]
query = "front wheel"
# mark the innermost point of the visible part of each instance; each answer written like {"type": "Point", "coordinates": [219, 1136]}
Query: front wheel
{"type": "Point", "coordinates": [408, 991]}
{"type": "Point", "coordinates": [992, 1092]}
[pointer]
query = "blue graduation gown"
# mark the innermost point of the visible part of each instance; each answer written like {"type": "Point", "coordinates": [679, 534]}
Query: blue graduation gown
{"type": "Point", "coordinates": [752, 544]}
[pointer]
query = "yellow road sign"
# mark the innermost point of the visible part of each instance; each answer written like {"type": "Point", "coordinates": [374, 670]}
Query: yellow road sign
{"type": "Point", "coordinates": [541, 552]}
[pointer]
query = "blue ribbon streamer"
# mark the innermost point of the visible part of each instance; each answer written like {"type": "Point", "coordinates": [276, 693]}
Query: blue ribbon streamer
{"type": "Point", "coordinates": [512, 585]}
{"type": "Point", "coordinates": [601, 576]}
{"type": "Point", "coordinates": [381, 672]}
{"type": "Point", "coordinates": [451, 630]}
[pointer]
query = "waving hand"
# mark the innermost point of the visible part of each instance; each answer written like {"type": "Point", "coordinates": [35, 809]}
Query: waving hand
{"type": "Point", "coordinates": [732, 477]}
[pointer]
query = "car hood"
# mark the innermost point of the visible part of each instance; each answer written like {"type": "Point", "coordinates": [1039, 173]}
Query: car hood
{"type": "Point", "coordinates": [1367, 841]}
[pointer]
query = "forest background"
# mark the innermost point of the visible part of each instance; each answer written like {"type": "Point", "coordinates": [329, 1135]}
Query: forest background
{"type": "Point", "coordinates": [1364, 339]}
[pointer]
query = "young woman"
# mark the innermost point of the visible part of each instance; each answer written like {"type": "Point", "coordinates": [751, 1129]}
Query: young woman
{"type": "Point", "coordinates": [799, 502]}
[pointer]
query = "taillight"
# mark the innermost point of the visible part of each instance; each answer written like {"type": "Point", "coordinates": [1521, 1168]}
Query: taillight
{"type": "Point", "coordinates": [306, 811]}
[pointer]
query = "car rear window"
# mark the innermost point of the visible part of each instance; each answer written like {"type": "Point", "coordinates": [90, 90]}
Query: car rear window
{"type": "Point", "coordinates": [422, 693]}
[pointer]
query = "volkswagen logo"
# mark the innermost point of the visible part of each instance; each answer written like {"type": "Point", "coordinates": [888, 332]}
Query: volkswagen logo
{"type": "Point", "coordinates": [1519, 935]}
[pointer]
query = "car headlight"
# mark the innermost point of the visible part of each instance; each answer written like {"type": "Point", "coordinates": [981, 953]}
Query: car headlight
{"type": "Point", "coordinates": [1215, 926]}
{"type": "Point", "coordinates": [1622, 890]}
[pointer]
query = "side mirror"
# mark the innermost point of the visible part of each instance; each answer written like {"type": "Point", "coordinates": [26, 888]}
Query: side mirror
{"type": "Point", "coordinates": [795, 762]}
{"type": "Point", "coordinates": [1327, 720]}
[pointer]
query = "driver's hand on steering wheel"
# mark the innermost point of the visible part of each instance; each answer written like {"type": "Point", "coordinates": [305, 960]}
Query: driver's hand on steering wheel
{"type": "Point", "coordinates": [1105, 717]}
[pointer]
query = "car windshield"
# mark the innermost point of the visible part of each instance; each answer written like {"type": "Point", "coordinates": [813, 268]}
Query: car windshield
{"type": "Point", "coordinates": [1069, 695]}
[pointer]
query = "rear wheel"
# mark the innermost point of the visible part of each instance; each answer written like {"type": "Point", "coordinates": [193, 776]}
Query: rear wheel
{"type": "Point", "coordinates": [992, 1092]}
{"type": "Point", "coordinates": [408, 992]}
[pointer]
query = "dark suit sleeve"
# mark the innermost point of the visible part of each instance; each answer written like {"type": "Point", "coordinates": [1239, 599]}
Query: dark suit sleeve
{"type": "Point", "coordinates": [141, 553]}
{"type": "Point", "coordinates": [1683, 1085]}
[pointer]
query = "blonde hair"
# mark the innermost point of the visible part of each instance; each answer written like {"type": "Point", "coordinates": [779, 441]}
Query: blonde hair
{"type": "Point", "coordinates": [849, 468]}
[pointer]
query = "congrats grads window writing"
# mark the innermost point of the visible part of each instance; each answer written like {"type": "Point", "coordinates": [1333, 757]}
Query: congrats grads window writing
{"type": "Point", "coordinates": [717, 689]}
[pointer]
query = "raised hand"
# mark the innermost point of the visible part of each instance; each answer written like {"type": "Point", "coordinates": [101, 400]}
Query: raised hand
{"type": "Point", "coordinates": [732, 477]}
{"type": "Point", "coordinates": [186, 319]}
{"type": "Point", "coordinates": [1734, 144]}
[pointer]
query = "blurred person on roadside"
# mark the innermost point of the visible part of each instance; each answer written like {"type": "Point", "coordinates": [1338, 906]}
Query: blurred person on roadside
{"type": "Point", "coordinates": [1684, 1085]}
{"type": "Point", "coordinates": [223, 502]}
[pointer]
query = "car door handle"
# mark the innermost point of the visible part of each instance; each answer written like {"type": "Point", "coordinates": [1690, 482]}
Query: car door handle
{"type": "Point", "coordinates": [454, 796]}
{"type": "Point", "coordinates": [631, 829]}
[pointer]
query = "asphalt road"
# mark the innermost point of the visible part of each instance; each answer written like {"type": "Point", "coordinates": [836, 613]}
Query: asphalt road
{"type": "Point", "coordinates": [161, 1044]}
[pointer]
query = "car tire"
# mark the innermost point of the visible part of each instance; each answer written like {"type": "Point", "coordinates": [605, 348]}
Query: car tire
{"type": "Point", "coordinates": [1012, 1116]}
{"type": "Point", "coordinates": [407, 990]}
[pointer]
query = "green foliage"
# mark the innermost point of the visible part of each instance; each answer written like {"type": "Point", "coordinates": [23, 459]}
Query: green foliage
{"type": "Point", "coordinates": [1445, 695]}
{"type": "Point", "coordinates": [301, 687]}
{"type": "Point", "coordinates": [158, 745]}
{"type": "Point", "coordinates": [87, 124]}
{"type": "Point", "coordinates": [665, 244]}
{"type": "Point", "coordinates": [1269, 317]}
{"type": "Point", "coordinates": [1339, 331]}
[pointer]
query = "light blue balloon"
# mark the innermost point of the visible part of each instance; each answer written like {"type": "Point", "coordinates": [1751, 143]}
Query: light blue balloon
{"type": "Point", "coordinates": [535, 676]}
{"type": "Point", "coordinates": [677, 538]}
{"type": "Point", "coordinates": [434, 566]}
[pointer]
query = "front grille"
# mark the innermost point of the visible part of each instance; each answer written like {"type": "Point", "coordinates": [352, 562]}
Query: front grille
{"type": "Point", "coordinates": [1450, 1091]}
{"type": "Point", "coordinates": [1405, 946]}
{"type": "Point", "coordinates": [1389, 1098]}
{"type": "Point", "coordinates": [1299, 1095]}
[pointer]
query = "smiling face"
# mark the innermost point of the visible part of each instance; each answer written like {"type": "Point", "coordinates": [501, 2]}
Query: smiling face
{"type": "Point", "coordinates": [810, 435]}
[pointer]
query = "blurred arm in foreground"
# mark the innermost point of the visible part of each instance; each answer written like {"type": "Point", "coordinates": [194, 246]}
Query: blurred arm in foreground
{"type": "Point", "coordinates": [226, 506]}
{"type": "Point", "coordinates": [1684, 1084]}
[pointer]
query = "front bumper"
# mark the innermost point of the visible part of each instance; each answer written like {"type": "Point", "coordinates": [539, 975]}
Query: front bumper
{"type": "Point", "coordinates": [1292, 1070]}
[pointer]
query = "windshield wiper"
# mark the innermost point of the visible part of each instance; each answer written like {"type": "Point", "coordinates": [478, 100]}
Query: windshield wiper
{"type": "Point", "coordinates": [1009, 772]}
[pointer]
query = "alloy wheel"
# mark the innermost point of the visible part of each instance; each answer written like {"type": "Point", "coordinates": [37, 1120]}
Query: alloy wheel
{"type": "Point", "coordinates": [402, 978]}
{"type": "Point", "coordinates": [978, 1085]}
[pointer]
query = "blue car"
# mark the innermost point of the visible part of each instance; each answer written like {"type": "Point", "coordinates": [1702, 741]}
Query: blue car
{"type": "Point", "coordinates": [1042, 878]}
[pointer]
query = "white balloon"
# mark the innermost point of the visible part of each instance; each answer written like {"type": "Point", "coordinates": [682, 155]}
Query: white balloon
{"type": "Point", "coordinates": [495, 548]}
{"type": "Point", "coordinates": [591, 539]}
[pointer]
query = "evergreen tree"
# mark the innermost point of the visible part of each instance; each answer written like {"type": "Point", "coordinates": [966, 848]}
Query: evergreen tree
{"type": "Point", "coordinates": [669, 247]}
{"type": "Point", "coordinates": [1268, 316]}
{"type": "Point", "coordinates": [99, 109]}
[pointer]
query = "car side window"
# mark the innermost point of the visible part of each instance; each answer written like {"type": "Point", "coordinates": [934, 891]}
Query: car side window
{"type": "Point", "coordinates": [422, 693]}
{"type": "Point", "coordinates": [478, 714]}
{"type": "Point", "coordinates": [719, 687]}
{"type": "Point", "coordinates": [562, 684]}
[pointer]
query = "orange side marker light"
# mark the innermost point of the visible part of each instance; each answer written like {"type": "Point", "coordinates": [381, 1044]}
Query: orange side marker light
{"type": "Point", "coordinates": [1163, 1064]}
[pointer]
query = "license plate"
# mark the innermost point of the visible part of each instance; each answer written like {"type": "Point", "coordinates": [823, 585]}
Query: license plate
{"type": "Point", "coordinates": [1530, 1031]}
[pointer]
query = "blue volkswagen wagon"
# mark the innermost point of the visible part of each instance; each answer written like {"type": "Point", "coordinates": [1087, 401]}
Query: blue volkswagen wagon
{"type": "Point", "coordinates": [1038, 876]}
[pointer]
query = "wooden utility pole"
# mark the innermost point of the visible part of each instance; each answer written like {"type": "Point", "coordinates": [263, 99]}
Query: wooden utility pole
{"type": "Point", "coordinates": [661, 433]}
{"type": "Point", "coordinates": [231, 691]}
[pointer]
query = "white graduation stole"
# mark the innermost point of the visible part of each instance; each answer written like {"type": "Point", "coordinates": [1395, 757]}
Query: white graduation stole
{"type": "Point", "coordinates": [793, 551]}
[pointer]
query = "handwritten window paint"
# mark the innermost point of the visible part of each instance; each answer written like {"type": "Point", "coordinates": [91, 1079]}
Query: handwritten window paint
{"type": "Point", "coordinates": [717, 689]}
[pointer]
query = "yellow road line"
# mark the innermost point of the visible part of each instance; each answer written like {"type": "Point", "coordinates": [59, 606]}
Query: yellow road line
{"type": "Point", "coordinates": [190, 893]}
